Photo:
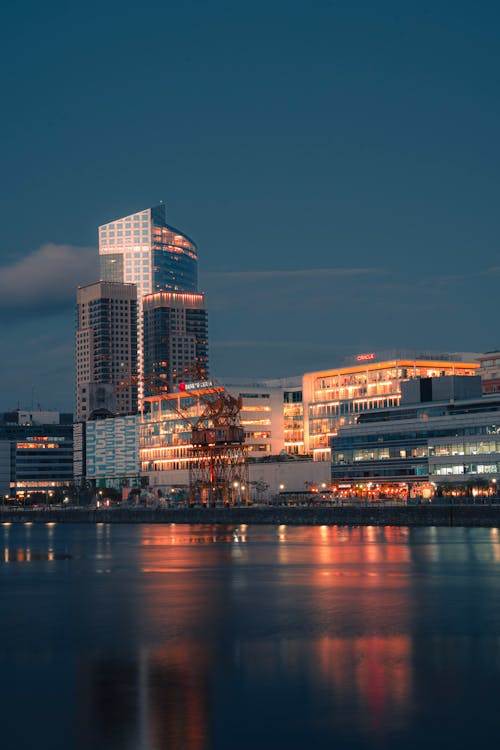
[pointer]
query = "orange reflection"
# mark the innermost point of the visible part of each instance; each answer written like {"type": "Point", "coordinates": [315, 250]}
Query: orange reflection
{"type": "Point", "coordinates": [177, 685]}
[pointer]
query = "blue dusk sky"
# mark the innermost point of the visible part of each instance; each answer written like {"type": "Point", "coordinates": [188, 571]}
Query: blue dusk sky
{"type": "Point", "coordinates": [337, 164]}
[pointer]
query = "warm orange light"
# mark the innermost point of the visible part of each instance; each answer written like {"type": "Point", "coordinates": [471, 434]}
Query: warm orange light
{"type": "Point", "coordinates": [437, 364]}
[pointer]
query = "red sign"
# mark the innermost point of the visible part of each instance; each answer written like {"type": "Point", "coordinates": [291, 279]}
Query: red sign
{"type": "Point", "coordinates": [182, 387]}
{"type": "Point", "coordinates": [365, 357]}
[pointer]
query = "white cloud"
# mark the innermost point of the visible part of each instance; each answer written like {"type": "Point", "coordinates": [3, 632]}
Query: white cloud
{"type": "Point", "coordinates": [48, 276]}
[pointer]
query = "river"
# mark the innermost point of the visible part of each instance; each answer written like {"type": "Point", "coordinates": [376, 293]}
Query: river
{"type": "Point", "coordinates": [205, 637]}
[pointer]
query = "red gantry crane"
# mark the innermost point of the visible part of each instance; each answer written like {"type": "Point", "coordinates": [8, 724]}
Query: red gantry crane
{"type": "Point", "coordinates": [218, 471]}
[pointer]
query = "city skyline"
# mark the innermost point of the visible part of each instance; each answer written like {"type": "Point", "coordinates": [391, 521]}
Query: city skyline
{"type": "Point", "coordinates": [226, 290]}
{"type": "Point", "coordinates": [341, 184]}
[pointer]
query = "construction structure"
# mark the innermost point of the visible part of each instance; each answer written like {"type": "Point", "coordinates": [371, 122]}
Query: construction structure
{"type": "Point", "coordinates": [197, 429]}
{"type": "Point", "coordinates": [218, 474]}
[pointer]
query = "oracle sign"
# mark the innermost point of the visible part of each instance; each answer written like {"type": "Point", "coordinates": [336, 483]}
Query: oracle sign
{"type": "Point", "coordinates": [365, 357]}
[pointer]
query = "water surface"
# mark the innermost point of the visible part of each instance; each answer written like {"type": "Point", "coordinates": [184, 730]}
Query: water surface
{"type": "Point", "coordinates": [204, 637]}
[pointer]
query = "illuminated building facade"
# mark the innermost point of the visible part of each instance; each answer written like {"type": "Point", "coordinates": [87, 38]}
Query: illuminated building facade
{"type": "Point", "coordinates": [144, 250]}
{"type": "Point", "coordinates": [490, 371]}
{"type": "Point", "coordinates": [112, 452]}
{"type": "Point", "coordinates": [175, 337]}
{"type": "Point", "coordinates": [291, 413]}
{"type": "Point", "coordinates": [36, 452]}
{"type": "Point", "coordinates": [261, 416]}
{"type": "Point", "coordinates": [335, 398]}
{"type": "Point", "coordinates": [433, 440]}
{"type": "Point", "coordinates": [293, 417]}
{"type": "Point", "coordinates": [166, 451]}
{"type": "Point", "coordinates": [165, 434]}
{"type": "Point", "coordinates": [106, 349]}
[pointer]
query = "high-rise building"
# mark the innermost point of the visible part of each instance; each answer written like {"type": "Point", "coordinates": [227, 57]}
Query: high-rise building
{"type": "Point", "coordinates": [144, 250]}
{"type": "Point", "coordinates": [175, 337]}
{"type": "Point", "coordinates": [106, 349]}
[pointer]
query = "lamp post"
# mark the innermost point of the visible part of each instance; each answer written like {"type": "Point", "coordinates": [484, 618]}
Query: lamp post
{"type": "Point", "coordinates": [281, 488]}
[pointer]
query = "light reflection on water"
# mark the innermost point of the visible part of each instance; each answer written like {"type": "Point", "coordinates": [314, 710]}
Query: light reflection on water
{"type": "Point", "coordinates": [207, 637]}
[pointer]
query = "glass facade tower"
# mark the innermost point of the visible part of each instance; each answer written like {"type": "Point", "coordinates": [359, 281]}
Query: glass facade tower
{"type": "Point", "coordinates": [142, 249]}
{"type": "Point", "coordinates": [175, 337]}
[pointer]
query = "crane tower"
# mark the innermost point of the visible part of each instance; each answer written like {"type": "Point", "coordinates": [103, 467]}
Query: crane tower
{"type": "Point", "coordinates": [218, 473]}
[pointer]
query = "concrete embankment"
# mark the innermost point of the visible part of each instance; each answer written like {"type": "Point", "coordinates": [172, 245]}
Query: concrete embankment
{"type": "Point", "coordinates": [429, 515]}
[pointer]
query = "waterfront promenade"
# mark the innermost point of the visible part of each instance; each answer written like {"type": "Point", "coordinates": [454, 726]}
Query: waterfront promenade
{"type": "Point", "coordinates": [347, 515]}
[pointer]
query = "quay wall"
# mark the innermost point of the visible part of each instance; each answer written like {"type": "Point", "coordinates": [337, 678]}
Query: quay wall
{"type": "Point", "coordinates": [429, 515]}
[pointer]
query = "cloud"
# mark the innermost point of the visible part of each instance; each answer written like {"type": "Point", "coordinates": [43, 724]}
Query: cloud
{"type": "Point", "coordinates": [47, 278]}
{"type": "Point", "coordinates": [444, 280]}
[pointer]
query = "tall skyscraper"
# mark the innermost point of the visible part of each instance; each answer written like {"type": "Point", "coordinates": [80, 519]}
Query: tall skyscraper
{"type": "Point", "coordinates": [175, 336]}
{"type": "Point", "coordinates": [106, 349]}
{"type": "Point", "coordinates": [144, 250]}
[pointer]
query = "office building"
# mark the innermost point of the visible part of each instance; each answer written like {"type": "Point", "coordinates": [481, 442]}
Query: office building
{"type": "Point", "coordinates": [292, 411]}
{"type": "Point", "coordinates": [293, 415]}
{"type": "Point", "coordinates": [166, 449]}
{"type": "Point", "coordinates": [144, 250]}
{"type": "Point", "coordinates": [443, 432]}
{"type": "Point", "coordinates": [335, 398]}
{"type": "Point", "coordinates": [175, 338]}
{"type": "Point", "coordinates": [107, 452]}
{"type": "Point", "coordinates": [106, 350]}
{"type": "Point", "coordinates": [36, 453]}
{"type": "Point", "coordinates": [261, 415]}
{"type": "Point", "coordinates": [490, 371]}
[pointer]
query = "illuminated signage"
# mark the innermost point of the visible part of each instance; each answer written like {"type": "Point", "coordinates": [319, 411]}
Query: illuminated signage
{"type": "Point", "coordinates": [365, 357]}
{"type": "Point", "coordinates": [195, 386]}
{"type": "Point", "coordinates": [44, 438]}
{"type": "Point", "coordinates": [25, 446]}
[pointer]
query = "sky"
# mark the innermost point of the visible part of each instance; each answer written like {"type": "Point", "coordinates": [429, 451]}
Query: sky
{"type": "Point", "coordinates": [337, 164]}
